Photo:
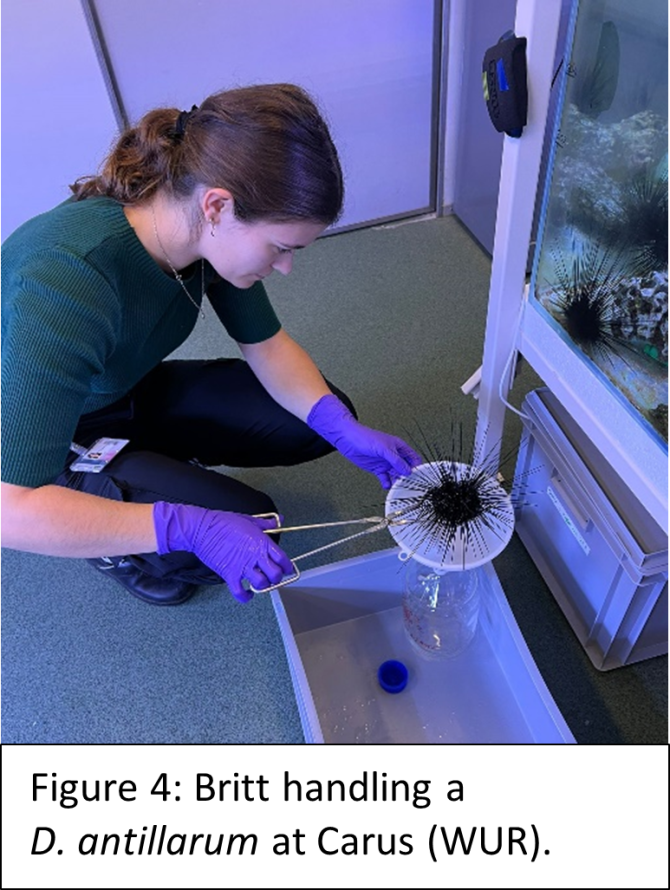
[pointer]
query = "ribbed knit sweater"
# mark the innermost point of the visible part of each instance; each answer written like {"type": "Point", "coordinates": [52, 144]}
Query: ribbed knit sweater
{"type": "Point", "coordinates": [86, 313]}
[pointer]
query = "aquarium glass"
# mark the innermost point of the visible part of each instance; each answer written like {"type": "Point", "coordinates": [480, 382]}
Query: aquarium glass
{"type": "Point", "coordinates": [601, 268]}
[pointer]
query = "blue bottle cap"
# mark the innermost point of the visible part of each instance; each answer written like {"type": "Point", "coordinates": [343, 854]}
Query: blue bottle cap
{"type": "Point", "coordinates": [392, 676]}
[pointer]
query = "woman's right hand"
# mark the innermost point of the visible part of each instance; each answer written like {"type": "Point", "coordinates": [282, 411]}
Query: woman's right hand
{"type": "Point", "coordinates": [231, 544]}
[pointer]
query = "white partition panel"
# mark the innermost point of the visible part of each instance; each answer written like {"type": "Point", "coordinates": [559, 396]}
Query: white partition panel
{"type": "Point", "coordinates": [369, 65]}
{"type": "Point", "coordinates": [57, 118]}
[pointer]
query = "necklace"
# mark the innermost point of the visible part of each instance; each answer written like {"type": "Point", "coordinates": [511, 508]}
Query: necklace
{"type": "Point", "coordinates": [174, 271]}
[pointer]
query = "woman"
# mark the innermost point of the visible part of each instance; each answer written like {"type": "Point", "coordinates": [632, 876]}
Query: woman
{"type": "Point", "coordinates": [99, 290]}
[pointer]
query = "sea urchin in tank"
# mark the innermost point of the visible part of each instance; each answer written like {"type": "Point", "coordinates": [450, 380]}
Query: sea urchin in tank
{"type": "Point", "coordinates": [583, 299]}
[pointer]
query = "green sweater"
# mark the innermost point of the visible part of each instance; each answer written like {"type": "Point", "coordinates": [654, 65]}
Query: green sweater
{"type": "Point", "coordinates": [86, 313]}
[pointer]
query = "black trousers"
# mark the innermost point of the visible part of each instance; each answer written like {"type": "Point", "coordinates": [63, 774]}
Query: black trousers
{"type": "Point", "coordinates": [182, 418]}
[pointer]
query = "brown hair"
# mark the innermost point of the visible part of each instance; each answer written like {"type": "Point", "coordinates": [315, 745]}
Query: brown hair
{"type": "Point", "coordinates": [268, 145]}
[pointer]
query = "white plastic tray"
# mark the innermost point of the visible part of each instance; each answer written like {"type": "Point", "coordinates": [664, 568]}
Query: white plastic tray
{"type": "Point", "coordinates": [341, 621]}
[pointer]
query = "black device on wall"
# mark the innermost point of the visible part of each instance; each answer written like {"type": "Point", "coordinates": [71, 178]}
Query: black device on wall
{"type": "Point", "coordinates": [504, 84]}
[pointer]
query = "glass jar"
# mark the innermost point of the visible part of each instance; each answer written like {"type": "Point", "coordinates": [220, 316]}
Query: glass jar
{"type": "Point", "coordinates": [440, 609]}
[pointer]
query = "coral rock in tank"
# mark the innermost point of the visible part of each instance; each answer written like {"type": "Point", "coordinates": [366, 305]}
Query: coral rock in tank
{"type": "Point", "coordinates": [596, 161]}
{"type": "Point", "coordinates": [640, 310]}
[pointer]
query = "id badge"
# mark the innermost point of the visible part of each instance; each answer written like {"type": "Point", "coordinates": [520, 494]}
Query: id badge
{"type": "Point", "coordinates": [98, 455]}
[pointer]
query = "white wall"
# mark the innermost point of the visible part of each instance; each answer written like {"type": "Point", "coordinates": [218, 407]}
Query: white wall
{"type": "Point", "coordinates": [473, 147]}
{"type": "Point", "coordinates": [369, 65]}
{"type": "Point", "coordinates": [57, 121]}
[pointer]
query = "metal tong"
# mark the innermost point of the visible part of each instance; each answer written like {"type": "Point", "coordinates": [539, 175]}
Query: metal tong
{"type": "Point", "coordinates": [377, 523]}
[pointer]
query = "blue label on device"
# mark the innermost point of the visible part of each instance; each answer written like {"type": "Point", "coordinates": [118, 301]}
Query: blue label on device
{"type": "Point", "coordinates": [502, 80]}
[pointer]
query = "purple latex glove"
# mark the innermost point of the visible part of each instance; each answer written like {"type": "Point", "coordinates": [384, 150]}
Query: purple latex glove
{"type": "Point", "coordinates": [232, 545]}
{"type": "Point", "coordinates": [380, 453]}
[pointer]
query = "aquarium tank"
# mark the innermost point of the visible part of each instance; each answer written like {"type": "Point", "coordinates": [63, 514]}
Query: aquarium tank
{"type": "Point", "coordinates": [600, 274]}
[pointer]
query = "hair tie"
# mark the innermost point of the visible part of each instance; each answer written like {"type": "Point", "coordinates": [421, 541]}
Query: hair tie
{"type": "Point", "coordinates": [182, 120]}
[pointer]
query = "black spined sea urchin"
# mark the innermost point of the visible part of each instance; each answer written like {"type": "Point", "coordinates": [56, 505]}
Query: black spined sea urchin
{"type": "Point", "coordinates": [454, 508]}
{"type": "Point", "coordinates": [583, 299]}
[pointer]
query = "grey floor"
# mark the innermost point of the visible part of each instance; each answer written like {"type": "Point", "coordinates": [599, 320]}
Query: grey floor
{"type": "Point", "coordinates": [395, 316]}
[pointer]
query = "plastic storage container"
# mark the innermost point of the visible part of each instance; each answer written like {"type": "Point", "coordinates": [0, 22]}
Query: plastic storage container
{"type": "Point", "coordinates": [601, 554]}
{"type": "Point", "coordinates": [341, 622]}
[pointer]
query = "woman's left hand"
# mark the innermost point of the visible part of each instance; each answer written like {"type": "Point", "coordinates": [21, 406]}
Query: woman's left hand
{"type": "Point", "coordinates": [387, 456]}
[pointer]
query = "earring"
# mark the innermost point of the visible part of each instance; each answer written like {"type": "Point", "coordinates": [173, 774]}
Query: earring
{"type": "Point", "coordinates": [213, 225]}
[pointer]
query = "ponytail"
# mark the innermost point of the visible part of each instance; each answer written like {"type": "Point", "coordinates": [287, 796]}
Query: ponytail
{"type": "Point", "coordinates": [268, 145]}
{"type": "Point", "coordinates": [142, 161]}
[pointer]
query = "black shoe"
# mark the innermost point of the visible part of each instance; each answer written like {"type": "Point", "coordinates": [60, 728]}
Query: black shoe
{"type": "Point", "coordinates": [157, 591]}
